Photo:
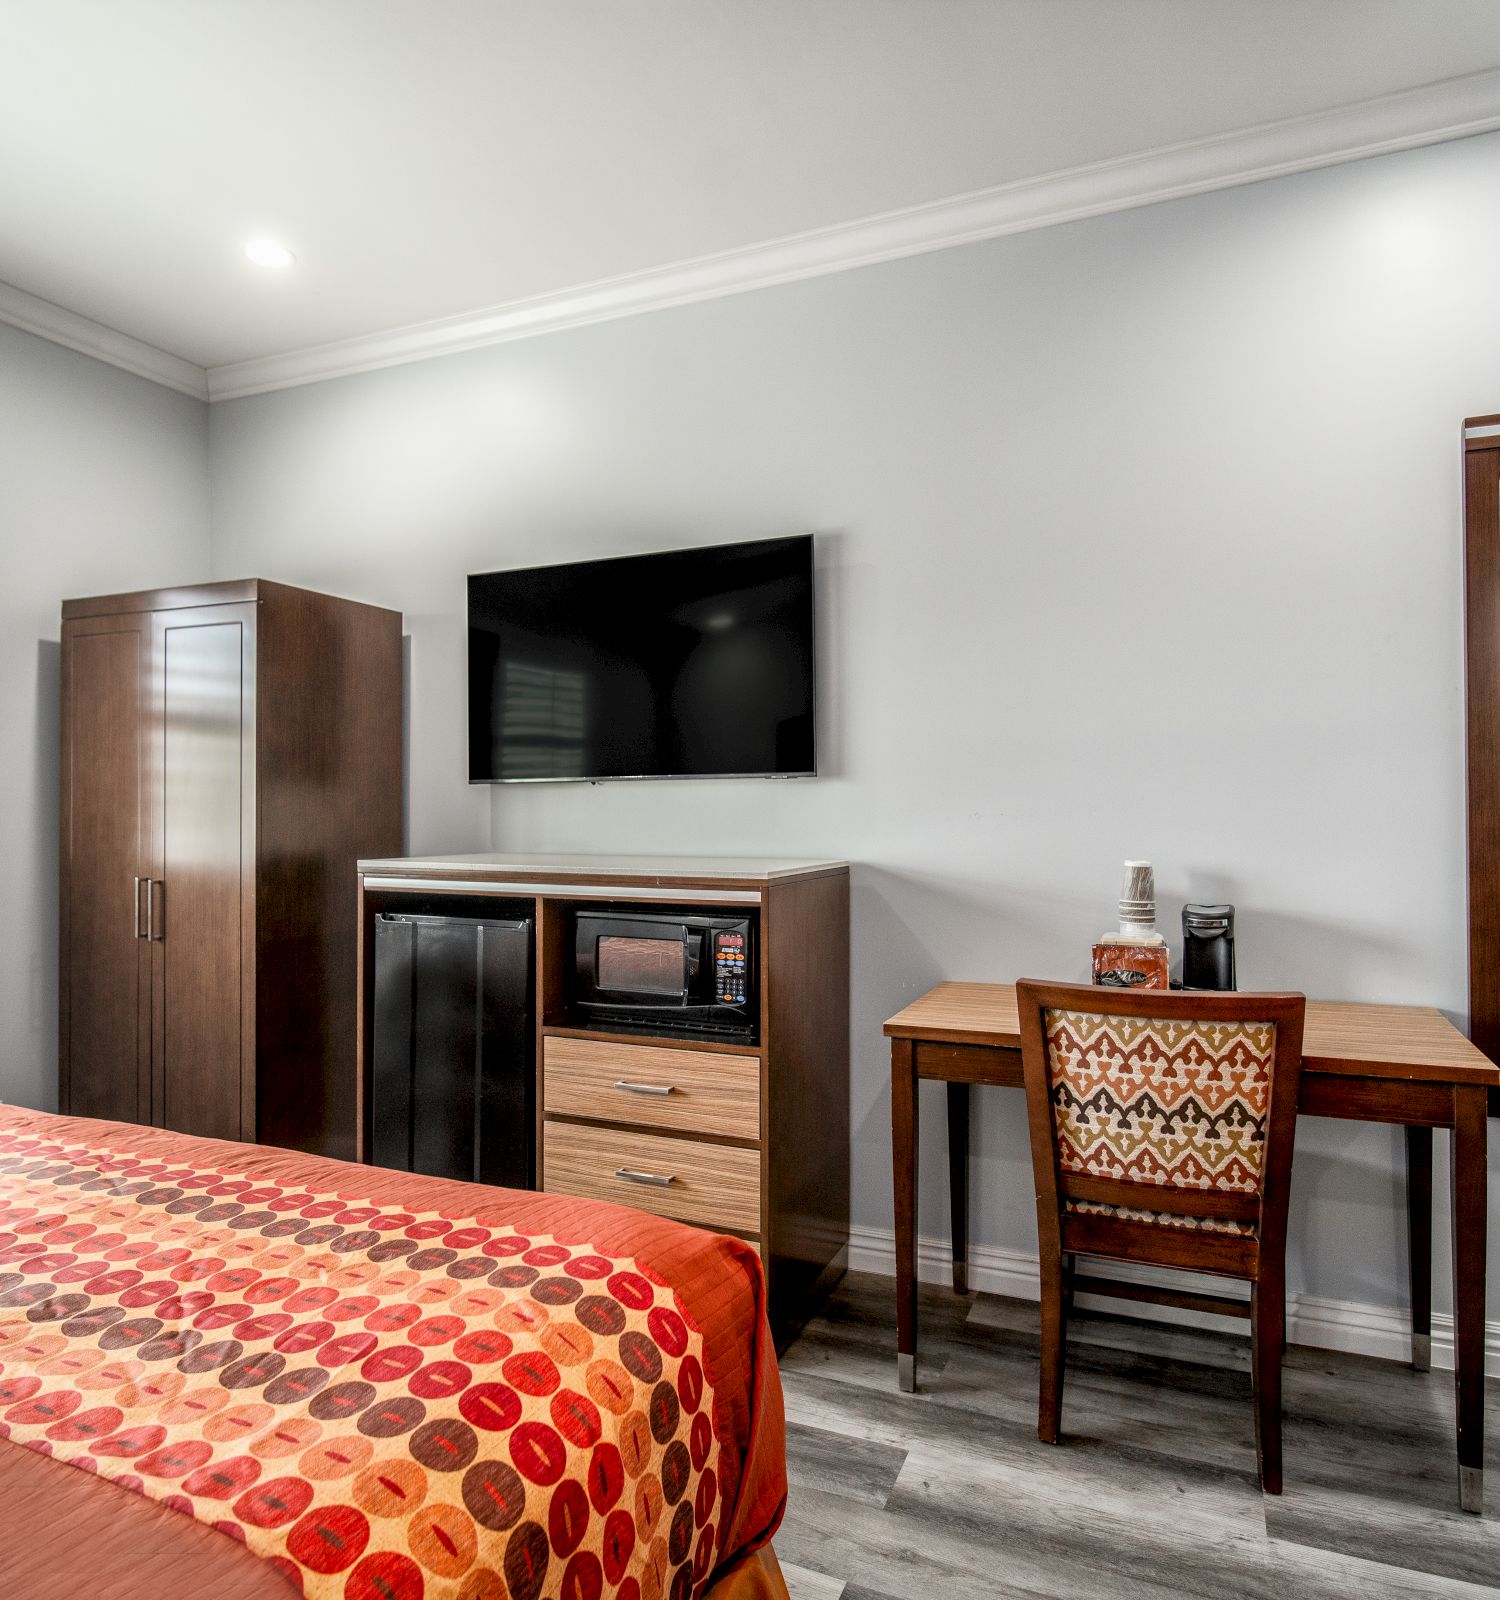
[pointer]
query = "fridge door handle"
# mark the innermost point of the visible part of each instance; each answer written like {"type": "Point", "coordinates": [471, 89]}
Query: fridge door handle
{"type": "Point", "coordinates": [156, 894]}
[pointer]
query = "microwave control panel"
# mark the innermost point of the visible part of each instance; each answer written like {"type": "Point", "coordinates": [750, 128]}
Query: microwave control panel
{"type": "Point", "coordinates": [729, 968]}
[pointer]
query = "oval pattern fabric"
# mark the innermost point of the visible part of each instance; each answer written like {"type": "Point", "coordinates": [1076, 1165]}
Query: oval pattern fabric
{"type": "Point", "coordinates": [382, 1402]}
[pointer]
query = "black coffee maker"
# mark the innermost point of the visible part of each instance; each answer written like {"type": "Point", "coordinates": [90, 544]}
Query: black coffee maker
{"type": "Point", "coordinates": [1207, 947]}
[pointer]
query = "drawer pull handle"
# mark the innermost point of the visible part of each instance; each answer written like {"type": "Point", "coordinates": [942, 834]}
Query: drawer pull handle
{"type": "Point", "coordinates": [644, 1088]}
{"type": "Point", "coordinates": [659, 1180]}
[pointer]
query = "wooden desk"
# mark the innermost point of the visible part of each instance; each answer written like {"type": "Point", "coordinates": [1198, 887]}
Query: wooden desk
{"type": "Point", "coordinates": [1406, 1065]}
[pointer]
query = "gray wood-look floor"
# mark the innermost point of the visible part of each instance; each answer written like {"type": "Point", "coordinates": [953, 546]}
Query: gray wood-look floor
{"type": "Point", "coordinates": [947, 1494]}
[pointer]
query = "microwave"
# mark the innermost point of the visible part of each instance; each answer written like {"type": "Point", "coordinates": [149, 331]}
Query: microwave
{"type": "Point", "coordinates": [676, 970]}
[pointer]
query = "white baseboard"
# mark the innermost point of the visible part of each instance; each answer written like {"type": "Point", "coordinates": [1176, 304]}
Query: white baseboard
{"type": "Point", "coordinates": [1325, 1324]}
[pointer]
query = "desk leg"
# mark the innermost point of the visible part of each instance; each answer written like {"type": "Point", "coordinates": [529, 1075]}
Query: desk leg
{"type": "Point", "coordinates": [1469, 1204]}
{"type": "Point", "coordinates": [958, 1182]}
{"type": "Point", "coordinates": [1419, 1243]}
{"type": "Point", "coordinates": [904, 1171]}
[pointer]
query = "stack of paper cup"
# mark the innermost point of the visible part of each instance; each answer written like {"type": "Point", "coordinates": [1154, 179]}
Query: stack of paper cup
{"type": "Point", "coordinates": [1138, 902]}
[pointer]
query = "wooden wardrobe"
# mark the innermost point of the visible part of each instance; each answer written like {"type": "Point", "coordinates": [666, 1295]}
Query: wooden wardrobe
{"type": "Point", "coordinates": [229, 752]}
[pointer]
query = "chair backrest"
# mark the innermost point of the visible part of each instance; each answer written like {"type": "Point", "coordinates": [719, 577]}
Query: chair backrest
{"type": "Point", "coordinates": [1175, 1105]}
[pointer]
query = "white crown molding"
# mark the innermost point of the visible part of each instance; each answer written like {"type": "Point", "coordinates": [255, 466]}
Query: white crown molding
{"type": "Point", "coordinates": [1311, 1320]}
{"type": "Point", "coordinates": [1452, 109]}
{"type": "Point", "coordinates": [41, 317]}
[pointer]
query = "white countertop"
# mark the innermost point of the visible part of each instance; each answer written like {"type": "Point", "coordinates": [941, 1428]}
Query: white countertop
{"type": "Point", "coordinates": [496, 864]}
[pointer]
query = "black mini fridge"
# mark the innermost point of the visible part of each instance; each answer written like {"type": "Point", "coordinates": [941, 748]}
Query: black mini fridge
{"type": "Point", "coordinates": [453, 1090]}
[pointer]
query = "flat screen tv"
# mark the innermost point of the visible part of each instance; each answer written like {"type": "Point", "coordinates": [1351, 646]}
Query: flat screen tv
{"type": "Point", "coordinates": [685, 664]}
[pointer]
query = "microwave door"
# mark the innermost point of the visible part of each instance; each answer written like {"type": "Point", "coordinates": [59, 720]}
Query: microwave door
{"type": "Point", "coordinates": [643, 971]}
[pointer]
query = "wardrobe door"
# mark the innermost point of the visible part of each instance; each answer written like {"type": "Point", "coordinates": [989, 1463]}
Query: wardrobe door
{"type": "Point", "coordinates": [104, 1019]}
{"type": "Point", "coordinates": [201, 906]}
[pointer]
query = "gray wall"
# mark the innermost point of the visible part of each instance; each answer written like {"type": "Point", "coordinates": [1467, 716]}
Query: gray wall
{"type": "Point", "coordinates": [1139, 537]}
{"type": "Point", "coordinates": [103, 487]}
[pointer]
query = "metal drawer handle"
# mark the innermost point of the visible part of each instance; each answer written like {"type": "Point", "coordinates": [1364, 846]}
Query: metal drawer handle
{"type": "Point", "coordinates": [644, 1088]}
{"type": "Point", "coordinates": [657, 1179]}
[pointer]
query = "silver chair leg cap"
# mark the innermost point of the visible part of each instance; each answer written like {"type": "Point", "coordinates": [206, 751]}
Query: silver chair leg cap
{"type": "Point", "coordinates": [906, 1373]}
{"type": "Point", "coordinates": [1421, 1352]}
{"type": "Point", "coordinates": [1471, 1490]}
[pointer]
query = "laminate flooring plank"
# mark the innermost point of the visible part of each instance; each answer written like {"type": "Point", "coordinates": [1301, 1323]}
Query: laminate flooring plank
{"type": "Point", "coordinates": [1077, 1472]}
{"type": "Point", "coordinates": [1373, 1520]}
{"type": "Point", "coordinates": [1152, 1492]}
{"type": "Point", "coordinates": [1350, 1390]}
{"type": "Point", "coordinates": [870, 1298]}
{"type": "Point", "coordinates": [864, 1360]}
{"type": "Point", "coordinates": [1378, 1453]}
{"type": "Point", "coordinates": [1227, 1347]}
{"type": "Point", "coordinates": [856, 1469]}
{"type": "Point", "coordinates": [901, 1421]}
{"type": "Point", "coordinates": [1137, 1403]}
{"type": "Point", "coordinates": [854, 1335]}
{"type": "Point", "coordinates": [1370, 1469]}
{"type": "Point", "coordinates": [898, 1555]}
{"type": "Point", "coordinates": [1108, 1341]}
{"type": "Point", "coordinates": [1135, 1533]}
{"type": "Point", "coordinates": [1345, 1415]}
{"type": "Point", "coordinates": [804, 1584]}
{"type": "Point", "coordinates": [1114, 1362]}
{"type": "Point", "coordinates": [1319, 1573]}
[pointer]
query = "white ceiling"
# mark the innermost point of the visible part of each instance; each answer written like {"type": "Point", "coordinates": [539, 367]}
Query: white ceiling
{"type": "Point", "coordinates": [428, 158]}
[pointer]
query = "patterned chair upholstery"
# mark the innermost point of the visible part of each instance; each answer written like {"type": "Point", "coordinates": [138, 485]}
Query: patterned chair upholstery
{"type": "Point", "coordinates": [1180, 1103]}
{"type": "Point", "coordinates": [1162, 1127]}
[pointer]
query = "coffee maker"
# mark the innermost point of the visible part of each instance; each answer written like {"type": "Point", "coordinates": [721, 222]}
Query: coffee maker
{"type": "Point", "coordinates": [1208, 947]}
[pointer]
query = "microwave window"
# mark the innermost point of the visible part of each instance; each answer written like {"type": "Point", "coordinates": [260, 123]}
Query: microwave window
{"type": "Point", "coordinates": [641, 966]}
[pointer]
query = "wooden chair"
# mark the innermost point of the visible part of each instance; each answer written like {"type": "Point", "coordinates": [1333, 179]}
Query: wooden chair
{"type": "Point", "coordinates": [1161, 1132]}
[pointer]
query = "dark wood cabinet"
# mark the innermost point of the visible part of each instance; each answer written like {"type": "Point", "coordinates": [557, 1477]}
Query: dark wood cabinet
{"type": "Point", "coordinates": [229, 752]}
{"type": "Point", "coordinates": [749, 1138]}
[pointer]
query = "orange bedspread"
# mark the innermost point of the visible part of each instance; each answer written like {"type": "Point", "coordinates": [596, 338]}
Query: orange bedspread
{"type": "Point", "coordinates": [386, 1386]}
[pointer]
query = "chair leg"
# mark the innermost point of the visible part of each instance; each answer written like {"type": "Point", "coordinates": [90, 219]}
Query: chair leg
{"type": "Point", "coordinates": [1267, 1336]}
{"type": "Point", "coordinates": [1057, 1291]}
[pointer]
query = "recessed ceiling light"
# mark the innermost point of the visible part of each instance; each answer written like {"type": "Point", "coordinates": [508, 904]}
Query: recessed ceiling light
{"type": "Point", "coordinates": [267, 253]}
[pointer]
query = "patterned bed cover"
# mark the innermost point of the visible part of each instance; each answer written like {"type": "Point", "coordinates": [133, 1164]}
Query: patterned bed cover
{"type": "Point", "coordinates": [257, 1372]}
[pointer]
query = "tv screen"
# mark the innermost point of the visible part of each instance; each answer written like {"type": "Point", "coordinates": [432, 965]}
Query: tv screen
{"type": "Point", "coordinates": [690, 663]}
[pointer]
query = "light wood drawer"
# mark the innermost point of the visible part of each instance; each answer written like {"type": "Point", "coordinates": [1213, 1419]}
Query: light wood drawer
{"type": "Point", "coordinates": [710, 1093]}
{"type": "Point", "coordinates": [715, 1185]}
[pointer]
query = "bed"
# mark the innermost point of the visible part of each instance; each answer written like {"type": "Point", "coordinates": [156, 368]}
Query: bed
{"type": "Point", "coordinates": [247, 1372]}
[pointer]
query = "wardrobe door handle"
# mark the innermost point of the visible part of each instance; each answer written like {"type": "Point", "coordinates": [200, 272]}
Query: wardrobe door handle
{"type": "Point", "coordinates": [154, 928]}
{"type": "Point", "coordinates": [644, 1088]}
{"type": "Point", "coordinates": [140, 931]}
{"type": "Point", "coordinates": [656, 1179]}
